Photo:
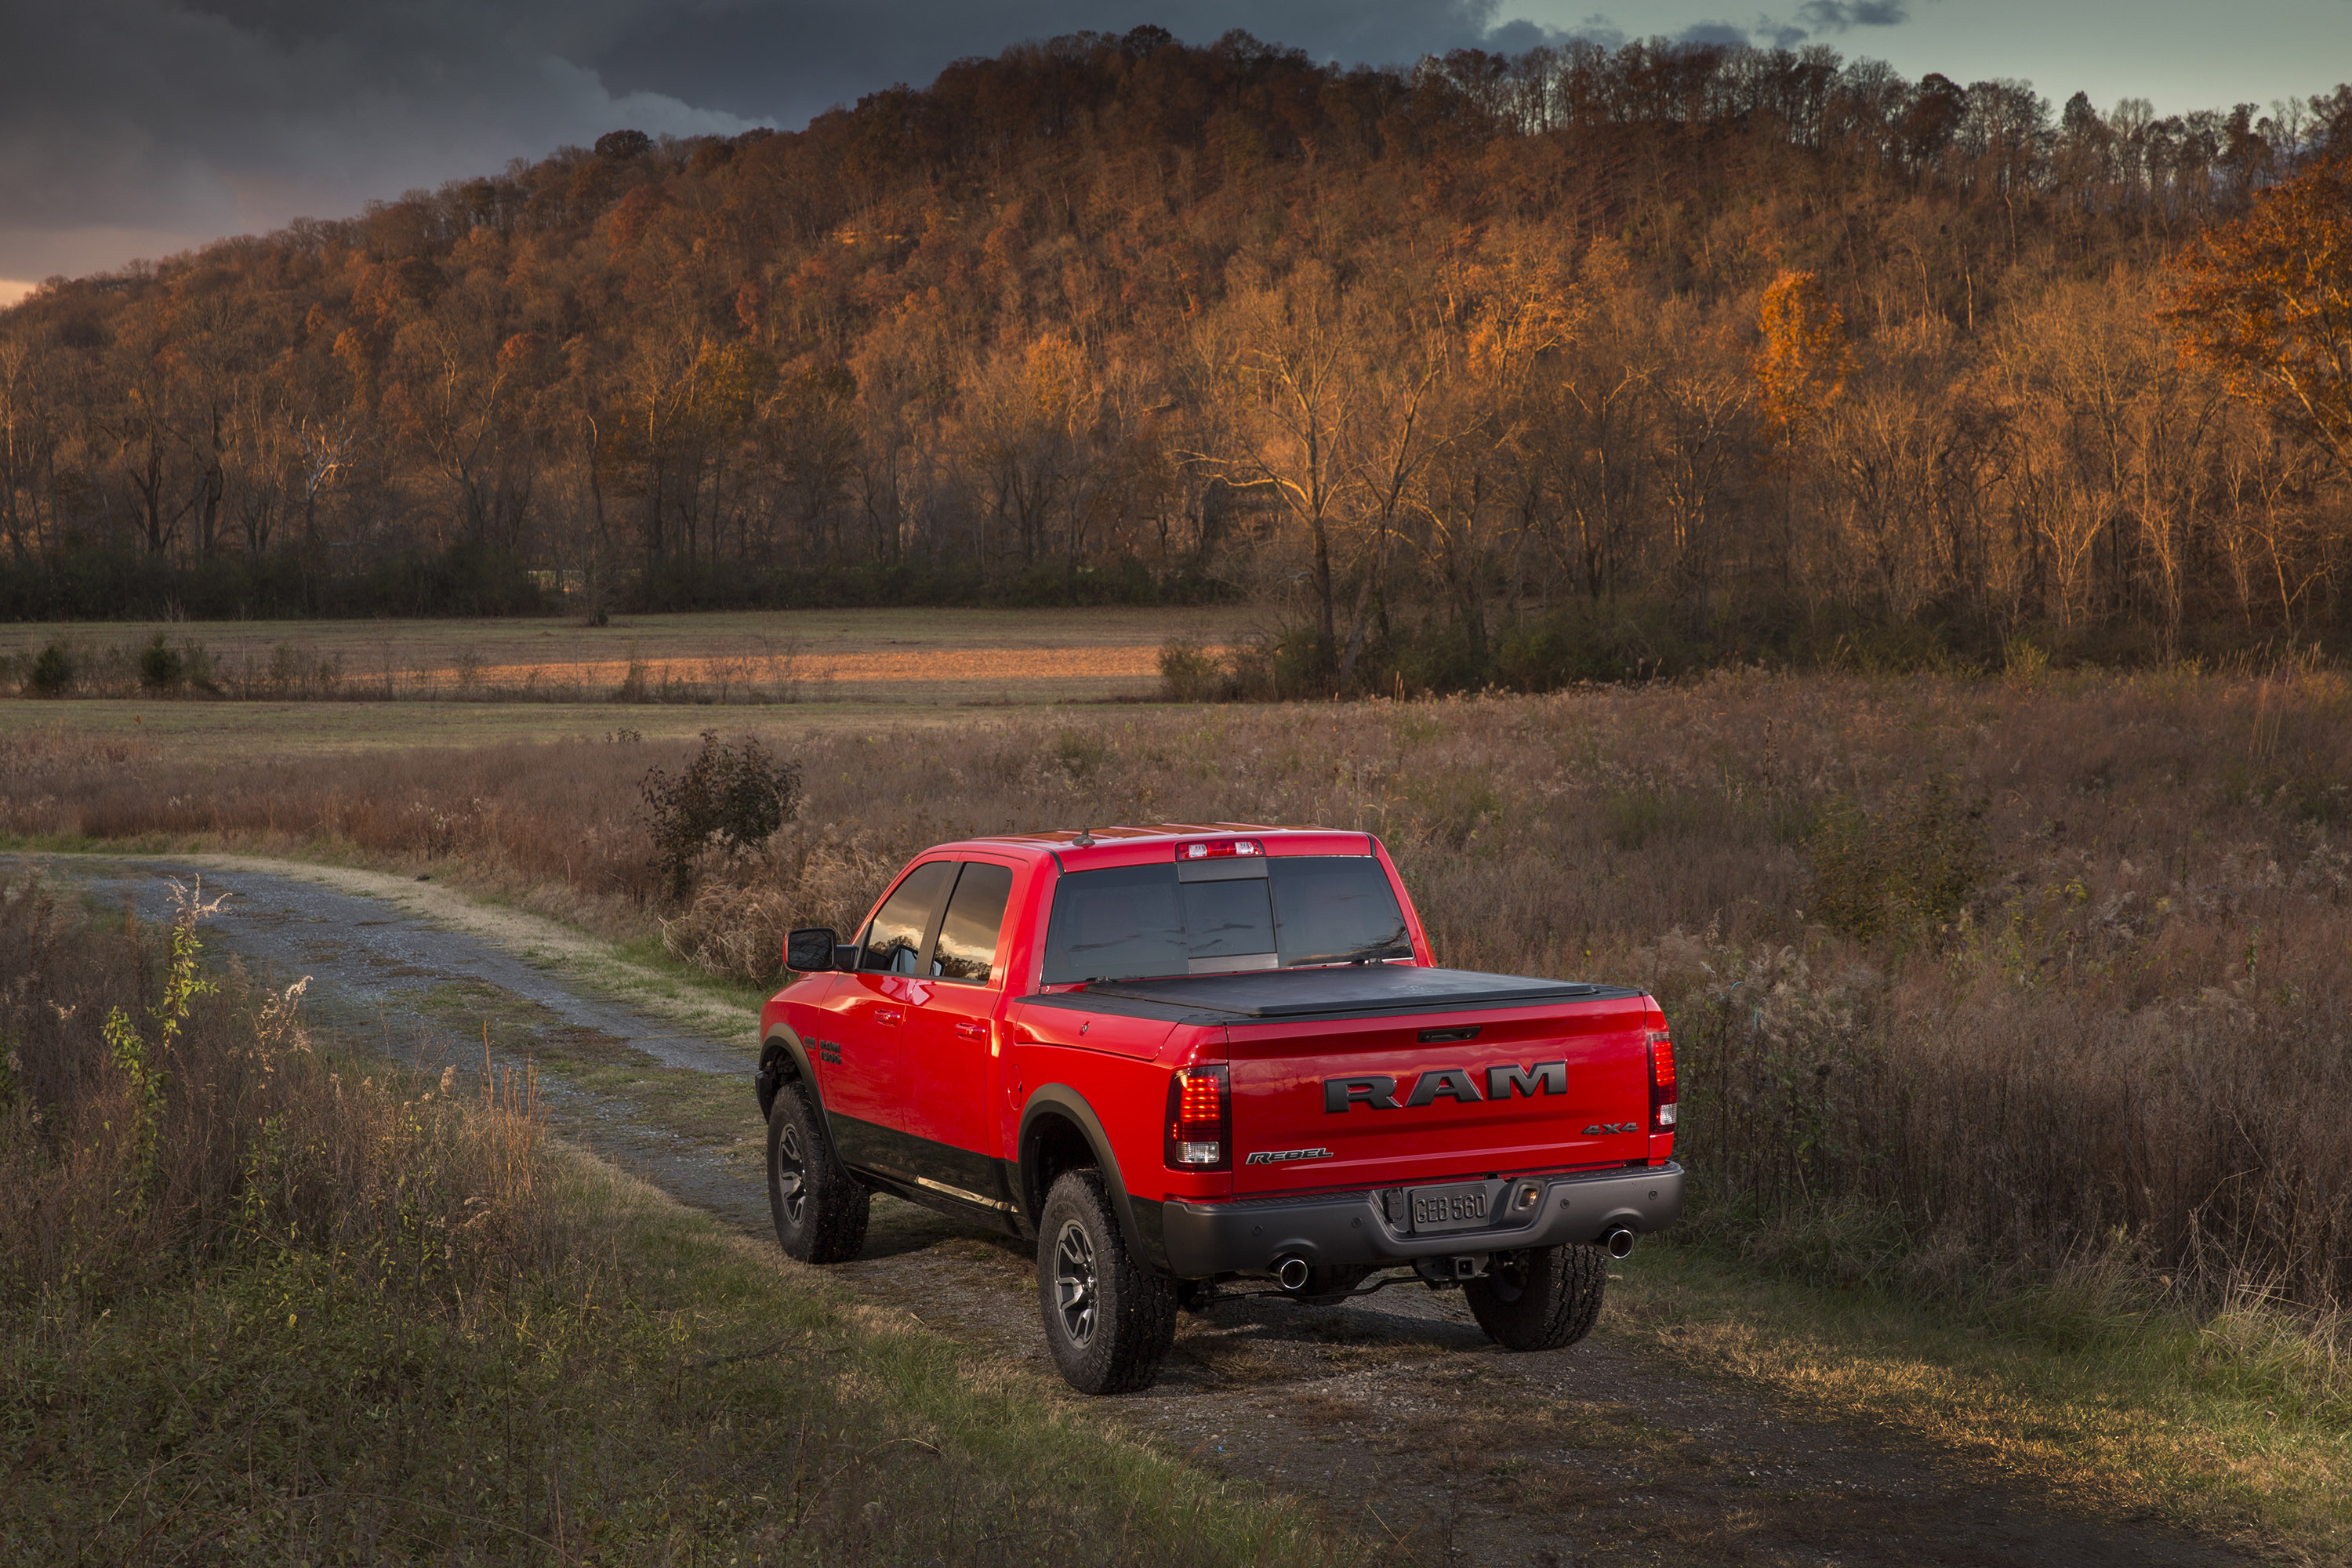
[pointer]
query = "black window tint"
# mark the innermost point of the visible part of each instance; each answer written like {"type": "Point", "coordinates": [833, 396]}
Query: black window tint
{"type": "Point", "coordinates": [1116, 924]}
{"type": "Point", "coordinates": [894, 942]}
{"type": "Point", "coordinates": [966, 946]}
{"type": "Point", "coordinates": [1140, 920]}
{"type": "Point", "coordinates": [1224, 919]}
{"type": "Point", "coordinates": [1336, 907]}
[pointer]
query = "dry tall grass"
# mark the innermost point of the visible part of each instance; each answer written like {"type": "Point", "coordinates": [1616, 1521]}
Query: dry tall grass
{"type": "Point", "coordinates": [149, 1117]}
{"type": "Point", "coordinates": [2120, 1045]}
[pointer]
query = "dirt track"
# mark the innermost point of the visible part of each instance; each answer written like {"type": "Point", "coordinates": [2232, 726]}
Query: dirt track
{"type": "Point", "coordinates": [1393, 1417]}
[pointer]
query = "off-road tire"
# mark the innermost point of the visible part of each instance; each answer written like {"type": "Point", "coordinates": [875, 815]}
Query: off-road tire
{"type": "Point", "coordinates": [820, 1209]}
{"type": "Point", "coordinates": [1539, 1298]}
{"type": "Point", "coordinates": [1109, 1319]}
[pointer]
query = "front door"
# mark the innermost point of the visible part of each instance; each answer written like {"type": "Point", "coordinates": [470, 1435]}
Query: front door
{"type": "Point", "coordinates": [857, 1062]}
{"type": "Point", "coordinates": [950, 1043]}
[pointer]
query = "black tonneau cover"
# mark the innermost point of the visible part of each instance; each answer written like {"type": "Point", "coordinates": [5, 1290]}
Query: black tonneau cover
{"type": "Point", "coordinates": [1343, 988]}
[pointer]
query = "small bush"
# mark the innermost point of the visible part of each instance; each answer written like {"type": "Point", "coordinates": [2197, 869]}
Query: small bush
{"type": "Point", "coordinates": [1190, 672]}
{"type": "Point", "coordinates": [1911, 866]}
{"type": "Point", "coordinates": [733, 796]}
{"type": "Point", "coordinates": [1080, 756]}
{"type": "Point", "coordinates": [160, 670]}
{"type": "Point", "coordinates": [53, 672]}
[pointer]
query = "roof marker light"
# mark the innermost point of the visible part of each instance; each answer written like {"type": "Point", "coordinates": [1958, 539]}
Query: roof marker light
{"type": "Point", "coordinates": [1218, 848]}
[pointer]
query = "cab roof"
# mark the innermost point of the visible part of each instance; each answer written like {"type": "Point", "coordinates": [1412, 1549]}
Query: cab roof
{"type": "Point", "coordinates": [1082, 847]}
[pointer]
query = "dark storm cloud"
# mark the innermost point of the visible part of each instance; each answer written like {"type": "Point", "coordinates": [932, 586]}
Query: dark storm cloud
{"type": "Point", "coordinates": [142, 125]}
{"type": "Point", "coordinates": [1814, 19]}
{"type": "Point", "coordinates": [1842, 15]}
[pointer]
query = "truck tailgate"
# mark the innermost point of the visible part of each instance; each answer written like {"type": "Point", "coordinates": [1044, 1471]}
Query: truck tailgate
{"type": "Point", "coordinates": [1327, 1102]}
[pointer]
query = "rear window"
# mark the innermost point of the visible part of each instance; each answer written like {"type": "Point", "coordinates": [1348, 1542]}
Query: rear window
{"type": "Point", "coordinates": [1130, 922]}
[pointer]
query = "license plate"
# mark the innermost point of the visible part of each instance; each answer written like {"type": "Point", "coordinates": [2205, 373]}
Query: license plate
{"type": "Point", "coordinates": [1462, 1206]}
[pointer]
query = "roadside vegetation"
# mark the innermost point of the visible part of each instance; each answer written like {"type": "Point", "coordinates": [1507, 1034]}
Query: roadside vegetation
{"type": "Point", "coordinates": [2010, 1009]}
{"type": "Point", "coordinates": [261, 1302]}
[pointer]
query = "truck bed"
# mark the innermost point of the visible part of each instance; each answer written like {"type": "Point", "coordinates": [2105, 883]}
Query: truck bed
{"type": "Point", "coordinates": [1340, 990]}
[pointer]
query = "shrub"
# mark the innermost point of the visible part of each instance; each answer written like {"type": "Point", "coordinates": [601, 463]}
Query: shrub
{"type": "Point", "coordinates": [1189, 672]}
{"type": "Point", "coordinates": [1080, 756]}
{"type": "Point", "coordinates": [733, 796]}
{"type": "Point", "coordinates": [160, 670]}
{"type": "Point", "coordinates": [1910, 866]}
{"type": "Point", "coordinates": [53, 672]}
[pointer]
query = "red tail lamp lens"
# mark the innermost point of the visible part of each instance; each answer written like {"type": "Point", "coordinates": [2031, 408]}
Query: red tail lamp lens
{"type": "Point", "coordinates": [1199, 1120]}
{"type": "Point", "coordinates": [1663, 1104]}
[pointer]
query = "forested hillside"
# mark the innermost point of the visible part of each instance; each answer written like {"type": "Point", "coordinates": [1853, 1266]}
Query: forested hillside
{"type": "Point", "coordinates": [1487, 369]}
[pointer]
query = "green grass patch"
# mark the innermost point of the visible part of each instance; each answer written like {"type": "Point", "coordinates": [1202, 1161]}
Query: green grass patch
{"type": "Point", "coordinates": [664, 1392]}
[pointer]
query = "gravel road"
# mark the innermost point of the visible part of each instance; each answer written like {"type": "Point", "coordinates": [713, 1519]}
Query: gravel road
{"type": "Point", "coordinates": [1393, 1417]}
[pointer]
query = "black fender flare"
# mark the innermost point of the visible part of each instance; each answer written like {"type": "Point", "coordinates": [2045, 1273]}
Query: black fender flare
{"type": "Point", "coordinates": [783, 1055]}
{"type": "Point", "coordinates": [1060, 1100]}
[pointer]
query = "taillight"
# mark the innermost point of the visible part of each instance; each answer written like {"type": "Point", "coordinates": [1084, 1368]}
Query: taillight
{"type": "Point", "coordinates": [1662, 1081]}
{"type": "Point", "coordinates": [1199, 1120]}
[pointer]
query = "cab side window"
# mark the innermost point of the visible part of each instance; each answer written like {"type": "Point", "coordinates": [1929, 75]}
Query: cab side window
{"type": "Point", "coordinates": [894, 942]}
{"type": "Point", "coordinates": [967, 944]}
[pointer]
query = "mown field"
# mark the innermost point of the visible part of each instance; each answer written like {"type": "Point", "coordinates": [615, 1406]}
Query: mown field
{"type": "Point", "coordinates": [2019, 1006]}
{"type": "Point", "coordinates": [890, 657]}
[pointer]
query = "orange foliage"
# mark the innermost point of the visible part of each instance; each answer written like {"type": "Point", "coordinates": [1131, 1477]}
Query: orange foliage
{"type": "Point", "coordinates": [2267, 300]}
{"type": "Point", "coordinates": [1803, 362]}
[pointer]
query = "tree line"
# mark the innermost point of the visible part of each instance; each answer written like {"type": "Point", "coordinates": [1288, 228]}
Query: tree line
{"type": "Point", "coordinates": [1659, 351]}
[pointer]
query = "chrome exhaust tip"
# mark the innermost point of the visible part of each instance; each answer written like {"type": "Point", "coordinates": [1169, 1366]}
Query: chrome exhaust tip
{"type": "Point", "coordinates": [1619, 1241]}
{"type": "Point", "coordinates": [1291, 1273]}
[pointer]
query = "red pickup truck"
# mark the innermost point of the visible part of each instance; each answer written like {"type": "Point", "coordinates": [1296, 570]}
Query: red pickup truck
{"type": "Point", "coordinates": [1182, 1058]}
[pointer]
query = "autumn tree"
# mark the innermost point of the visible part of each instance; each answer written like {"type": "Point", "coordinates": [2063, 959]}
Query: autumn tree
{"type": "Point", "coordinates": [1284, 364]}
{"type": "Point", "coordinates": [2267, 299]}
{"type": "Point", "coordinates": [1800, 367]}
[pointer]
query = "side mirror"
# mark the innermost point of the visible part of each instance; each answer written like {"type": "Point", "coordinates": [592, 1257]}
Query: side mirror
{"type": "Point", "coordinates": [812, 950]}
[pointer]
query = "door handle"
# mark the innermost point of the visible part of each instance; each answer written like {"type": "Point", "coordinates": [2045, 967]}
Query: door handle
{"type": "Point", "coordinates": [973, 1031]}
{"type": "Point", "coordinates": [886, 1015]}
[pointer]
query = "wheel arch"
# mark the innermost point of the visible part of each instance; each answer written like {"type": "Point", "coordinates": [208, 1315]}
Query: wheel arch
{"type": "Point", "coordinates": [1060, 1131]}
{"type": "Point", "coordinates": [785, 1058]}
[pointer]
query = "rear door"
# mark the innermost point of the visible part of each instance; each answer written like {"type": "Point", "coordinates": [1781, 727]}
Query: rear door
{"type": "Point", "coordinates": [949, 1044]}
{"type": "Point", "coordinates": [1394, 1100]}
{"type": "Point", "coordinates": [857, 1060]}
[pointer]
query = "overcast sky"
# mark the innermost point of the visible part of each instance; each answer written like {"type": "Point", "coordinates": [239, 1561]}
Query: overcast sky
{"type": "Point", "coordinates": [139, 128]}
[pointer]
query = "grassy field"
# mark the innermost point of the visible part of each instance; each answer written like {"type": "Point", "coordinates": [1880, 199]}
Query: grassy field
{"type": "Point", "coordinates": [264, 1302]}
{"type": "Point", "coordinates": [2012, 1012]}
{"type": "Point", "coordinates": [887, 656]}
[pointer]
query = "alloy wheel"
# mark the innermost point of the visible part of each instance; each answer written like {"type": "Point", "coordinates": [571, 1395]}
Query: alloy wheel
{"type": "Point", "coordinates": [1075, 1288]}
{"type": "Point", "coordinates": [792, 1174]}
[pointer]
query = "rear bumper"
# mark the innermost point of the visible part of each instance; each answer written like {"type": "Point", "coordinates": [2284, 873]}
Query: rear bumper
{"type": "Point", "coordinates": [1251, 1235]}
